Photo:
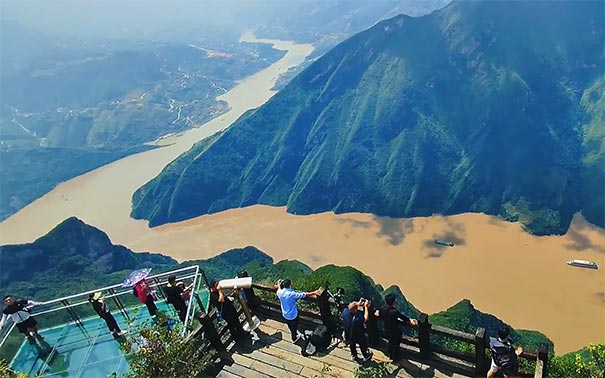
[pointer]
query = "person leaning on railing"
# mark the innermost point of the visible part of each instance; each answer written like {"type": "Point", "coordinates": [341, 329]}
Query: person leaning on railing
{"type": "Point", "coordinates": [226, 311]}
{"type": "Point", "coordinates": [504, 355]}
{"type": "Point", "coordinates": [393, 319]}
{"type": "Point", "coordinates": [287, 299]}
{"type": "Point", "coordinates": [175, 295]}
{"type": "Point", "coordinates": [18, 311]}
{"type": "Point", "coordinates": [100, 306]}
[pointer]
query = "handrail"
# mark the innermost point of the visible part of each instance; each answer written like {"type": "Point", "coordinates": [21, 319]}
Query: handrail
{"type": "Point", "coordinates": [194, 267]}
{"type": "Point", "coordinates": [479, 340]}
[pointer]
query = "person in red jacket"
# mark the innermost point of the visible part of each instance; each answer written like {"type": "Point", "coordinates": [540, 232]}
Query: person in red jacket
{"type": "Point", "coordinates": [142, 290]}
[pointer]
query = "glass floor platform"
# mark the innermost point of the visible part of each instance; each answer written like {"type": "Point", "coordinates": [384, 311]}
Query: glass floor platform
{"type": "Point", "coordinates": [89, 351]}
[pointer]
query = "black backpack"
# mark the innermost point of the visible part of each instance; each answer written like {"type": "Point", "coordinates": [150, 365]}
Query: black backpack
{"type": "Point", "coordinates": [504, 356]}
{"type": "Point", "coordinates": [318, 341]}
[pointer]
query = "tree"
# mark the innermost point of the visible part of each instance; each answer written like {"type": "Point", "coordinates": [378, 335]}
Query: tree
{"type": "Point", "coordinates": [586, 363]}
{"type": "Point", "coordinates": [160, 351]}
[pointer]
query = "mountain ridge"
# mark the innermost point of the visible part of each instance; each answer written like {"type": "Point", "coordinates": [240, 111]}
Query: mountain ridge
{"type": "Point", "coordinates": [414, 117]}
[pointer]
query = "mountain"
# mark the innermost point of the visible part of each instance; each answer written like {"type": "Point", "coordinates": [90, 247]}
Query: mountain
{"type": "Point", "coordinates": [328, 22]}
{"type": "Point", "coordinates": [72, 249]}
{"type": "Point", "coordinates": [457, 111]}
{"type": "Point", "coordinates": [465, 317]}
{"type": "Point", "coordinates": [87, 256]}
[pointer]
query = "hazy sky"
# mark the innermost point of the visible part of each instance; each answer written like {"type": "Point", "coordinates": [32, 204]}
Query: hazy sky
{"type": "Point", "coordinates": [115, 18]}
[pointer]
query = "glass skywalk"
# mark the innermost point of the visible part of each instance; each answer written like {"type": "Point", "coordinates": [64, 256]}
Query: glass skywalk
{"type": "Point", "coordinates": [78, 343]}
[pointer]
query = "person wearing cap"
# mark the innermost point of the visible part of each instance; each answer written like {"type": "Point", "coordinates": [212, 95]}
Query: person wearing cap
{"type": "Point", "coordinates": [175, 296]}
{"type": "Point", "coordinates": [354, 316]}
{"type": "Point", "coordinates": [18, 311]}
{"type": "Point", "coordinates": [287, 299]}
{"type": "Point", "coordinates": [101, 308]}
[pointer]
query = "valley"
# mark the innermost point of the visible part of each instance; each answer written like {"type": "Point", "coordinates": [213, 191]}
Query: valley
{"type": "Point", "coordinates": [536, 289]}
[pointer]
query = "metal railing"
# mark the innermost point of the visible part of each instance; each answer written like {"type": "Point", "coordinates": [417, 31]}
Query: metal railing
{"type": "Point", "coordinates": [121, 298]}
{"type": "Point", "coordinates": [425, 350]}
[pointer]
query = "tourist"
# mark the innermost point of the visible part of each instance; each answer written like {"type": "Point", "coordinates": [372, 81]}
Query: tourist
{"type": "Point", "coordinates": [504, 355]}
{"type": "Point", "coordinates": [186, 294]}
{"type": "Point", "coordinates": [289, 309]}
{"type": "Point", "coordinates": [18, 311]}
{"type": "Point", "coordinates": [393, 320]}
{"type": "Point", "coordinates": [372, 325]}
{"type": "Point", "coordinates": [354, 317]}
{"type": "Point", "coordinates": [175, 296]}
{"type": "Point", "coordinates": [226, 310]}
{"type": "Point", "coordinates": [101, 308]}
{"type": "Point", "coordinates": [142, 290]}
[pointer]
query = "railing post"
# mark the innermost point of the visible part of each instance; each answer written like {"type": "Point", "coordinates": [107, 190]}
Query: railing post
{"type": "Point", "coordinates": [252, 322]}
{"type": "Point", "coordinates": [251, 297]}
{"type": "Point", "coordinates": [424, 336]}
{"type": "Point", "coordinates": [210, 331]}
{"type": "Point", "coordinates": [542, 360]}
{"type": "Point", "coordinates": [480, 358]}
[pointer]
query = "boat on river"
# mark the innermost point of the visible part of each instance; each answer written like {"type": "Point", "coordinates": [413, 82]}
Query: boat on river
{"type": "Point", "coordinates": [583, 264]}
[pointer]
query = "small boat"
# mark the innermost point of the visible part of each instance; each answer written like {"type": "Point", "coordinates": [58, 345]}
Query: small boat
{"type": "Point", "coordinates": [583, 264]}
{"type": "Point", "coordinates": [447, 243]}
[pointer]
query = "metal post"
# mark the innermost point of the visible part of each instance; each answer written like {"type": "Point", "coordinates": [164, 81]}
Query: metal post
{"type": "Point", "coordinates": [543, 356]}
{"type": "Point", "coordinates": [119, 304]}
{"type": "Point", "coordinates": [252, 322]}
{"type": "Point", "coordinates": [424, 336]}
{"type": "Point", "coordinates": [481, 366]}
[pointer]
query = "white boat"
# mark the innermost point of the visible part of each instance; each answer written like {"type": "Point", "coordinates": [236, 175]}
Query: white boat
{"type": "Point", "coordinates": [583, 264]}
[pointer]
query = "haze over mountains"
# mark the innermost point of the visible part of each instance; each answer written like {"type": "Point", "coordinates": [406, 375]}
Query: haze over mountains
{"type": "Point", "coordinates": [84, 84]}
{"type": "Point", "coordinates": [457, 111]}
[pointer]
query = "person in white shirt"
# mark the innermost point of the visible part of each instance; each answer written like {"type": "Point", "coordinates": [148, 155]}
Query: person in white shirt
{"type": "Point", "coordinates": [18, 311]}
{"type": "Point", "coordinates": [289, 309]}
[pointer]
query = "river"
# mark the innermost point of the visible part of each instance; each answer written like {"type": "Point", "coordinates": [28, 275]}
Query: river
{"type": "Point", "coordinates": [502, 269]}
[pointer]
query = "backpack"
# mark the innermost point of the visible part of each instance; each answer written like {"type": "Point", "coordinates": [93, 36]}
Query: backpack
{"type": "Point", "coordinates": [319, 340]}
{"type": "Point", "coordinates": [504, 356]}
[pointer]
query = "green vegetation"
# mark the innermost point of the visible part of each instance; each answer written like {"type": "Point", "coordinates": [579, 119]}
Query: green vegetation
{"type": "Point", "coordinates": [452, 112]}
{"type": "Point", "coordinates": [377, 370]}
{"type": "Point", "coordinates": [29, 173]}
{"type": "Point", "coordinates": [586, 363]}
{"type": "Point", "coordinates": [463, 316]}
{"type": "Point", "coordinates": [161, 352]}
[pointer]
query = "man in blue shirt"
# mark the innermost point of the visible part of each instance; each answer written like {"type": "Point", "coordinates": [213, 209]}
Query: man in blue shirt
{"type": "Point", "coordinates": [353, 320]}
{"type": "Point", "coordinates": [287, 299]}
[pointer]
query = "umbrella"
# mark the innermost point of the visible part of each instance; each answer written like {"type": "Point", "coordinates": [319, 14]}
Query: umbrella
{"type": "Point", "coordinates": [135, 277]}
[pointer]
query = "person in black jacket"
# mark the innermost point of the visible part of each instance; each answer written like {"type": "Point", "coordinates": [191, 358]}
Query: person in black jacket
{"type": "Point", "coordinates": [101, 308]}
{"type": "Point", "coordinates": [174, 296]}
{"type": "Point", "coordinates": [226, 311]}
{"type": "Point", "coordinates": [393, 320]}
{"type": "Point", "coordinates": [18, 311]}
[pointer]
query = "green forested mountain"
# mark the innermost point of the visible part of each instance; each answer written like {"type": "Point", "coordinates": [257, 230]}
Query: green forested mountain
{"type": "Point", "coordinates": [483, 106]}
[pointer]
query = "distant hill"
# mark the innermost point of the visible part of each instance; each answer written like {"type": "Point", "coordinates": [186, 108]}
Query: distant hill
{"type": "Point", "coordinates": [87, 256]}
{"type": "Point", "coordinates": [69, 105]}
{"type": "Point", "coordinates": [465, 317]}
{"type": "Point", "coordinates": [478, 107]}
